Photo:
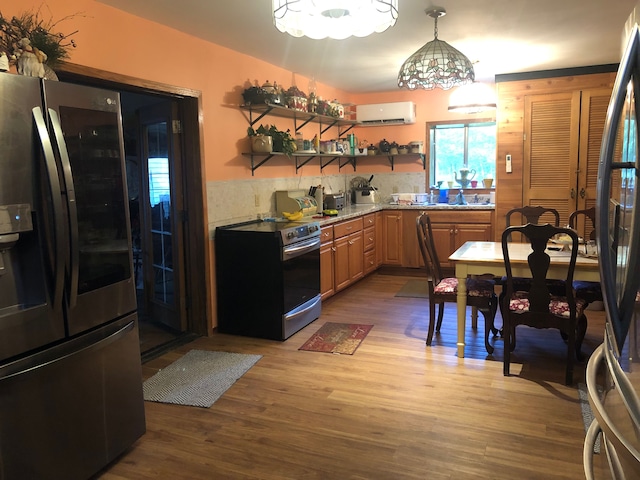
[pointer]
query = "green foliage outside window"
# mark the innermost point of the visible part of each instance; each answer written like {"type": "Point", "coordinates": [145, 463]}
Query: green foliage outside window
{"type": "Point", "coordinates": [456, 146]}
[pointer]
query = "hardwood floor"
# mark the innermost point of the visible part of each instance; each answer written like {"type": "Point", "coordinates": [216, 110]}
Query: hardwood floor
{"type": "Point", "coordinates": [396, 409]}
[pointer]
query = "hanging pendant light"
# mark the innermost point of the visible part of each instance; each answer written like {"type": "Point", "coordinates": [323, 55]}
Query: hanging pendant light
{"type": "Point", "coordinates": [472, 98]}
{"type": "Point", "coordinates": [337, 19]}
{"type": "Point", "coordinates": [436, 64]}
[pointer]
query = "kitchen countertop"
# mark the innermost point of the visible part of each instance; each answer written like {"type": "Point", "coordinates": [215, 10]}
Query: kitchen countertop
{"type": "Point", "coordinates": [354, 211]}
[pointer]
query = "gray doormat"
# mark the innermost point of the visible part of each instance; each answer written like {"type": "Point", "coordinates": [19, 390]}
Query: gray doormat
{"type": "Point", "coordinates": [414, 288]}
{"type": "Point", "coordinates": [198, 378]}
{"type": "Point", "coordinates": [587, 413]}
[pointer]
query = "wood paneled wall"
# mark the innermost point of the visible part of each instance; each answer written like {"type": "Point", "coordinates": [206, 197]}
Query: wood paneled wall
{"type": "Point", "coordinates": [510, 136]}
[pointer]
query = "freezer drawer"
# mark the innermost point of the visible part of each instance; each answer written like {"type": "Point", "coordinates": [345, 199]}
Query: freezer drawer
{"type": "Point", "coordinates": [70, 410]}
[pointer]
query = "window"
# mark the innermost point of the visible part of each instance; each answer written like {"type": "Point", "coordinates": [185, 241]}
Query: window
{"type": "Point", "coordinates": [453, 146]}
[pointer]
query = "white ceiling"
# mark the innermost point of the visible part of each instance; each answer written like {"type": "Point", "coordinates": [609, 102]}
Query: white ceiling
{"type": "Point", "coordinates": [502, 36]}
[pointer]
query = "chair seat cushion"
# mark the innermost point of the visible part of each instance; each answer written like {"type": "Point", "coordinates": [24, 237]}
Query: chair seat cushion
{"type": "Point", "coordinates": [475, 287]}
{"type": "Point", "coordinates": [559, 306]}
{"type": "Point", "coordinates": [588, 291]}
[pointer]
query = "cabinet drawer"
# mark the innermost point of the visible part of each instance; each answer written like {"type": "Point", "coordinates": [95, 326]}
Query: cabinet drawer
{"type": "Point", "coordinates": [369, 220]}
{"type": "Point", "coordinates": [369, 238]}
{"type": "Point", "coordinates": [326, 234]}
{"type": "Point", "coordinates": [369, 261]}
{"type": "Point", "coordinates": [460, 216]}
{"type": "Point", "coordinates": [346, 228]}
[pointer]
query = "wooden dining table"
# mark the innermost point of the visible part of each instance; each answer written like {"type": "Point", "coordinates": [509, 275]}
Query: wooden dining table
{"type": "Point", "coordinates": [478, 258]}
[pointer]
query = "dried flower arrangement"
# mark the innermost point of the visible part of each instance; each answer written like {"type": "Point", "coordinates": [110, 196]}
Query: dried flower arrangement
{"type": "Point", "coordinates": [40, 33]}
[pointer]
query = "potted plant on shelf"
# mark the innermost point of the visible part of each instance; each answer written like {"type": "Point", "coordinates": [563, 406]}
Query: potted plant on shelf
{"type": "Point", "coordinates": [281, 141]}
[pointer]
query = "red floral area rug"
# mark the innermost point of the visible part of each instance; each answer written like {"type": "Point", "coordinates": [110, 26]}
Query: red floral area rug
{"type": "Point", "coordinates": [341, 338]}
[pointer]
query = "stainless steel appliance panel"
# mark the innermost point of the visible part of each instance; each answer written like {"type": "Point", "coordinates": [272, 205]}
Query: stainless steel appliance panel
{"type": "Point", "coordinates": [29, 269]}
{"type": "Point", "coordinates": [74, 408]}
{"type": "Point", "coordinates": [70, 379]}
{"type": "Point", "coordinates": [88, 129]}
{"type": "Point", "coordinates": [617, 410]}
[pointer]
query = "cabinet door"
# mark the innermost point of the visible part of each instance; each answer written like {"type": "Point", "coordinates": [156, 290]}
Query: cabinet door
{"type": "Point", "coordinates": [356, 256]}
{"type": "Point", "coordinates": [326, 270]}
{"type": "Point", "coordinates": [443, 239]}
{"type": "Point", "coordinates": [341, 263]}
{"type": "Point", "coordinates": [392, 237]}
{"type": "Point", "coordinates": [379, 239]}
{"type": "Point", "coordinates": [471, 233]}
{"type": "Point", "coordinates": [552, 128]}
{"type": "Point", "coordinates": [411, 256]}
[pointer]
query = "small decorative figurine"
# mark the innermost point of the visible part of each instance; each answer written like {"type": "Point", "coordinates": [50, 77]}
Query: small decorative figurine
{"type": "Point", "coordinates": [30, 59]}
{"type": "Point", "coordinates": [4, 62]}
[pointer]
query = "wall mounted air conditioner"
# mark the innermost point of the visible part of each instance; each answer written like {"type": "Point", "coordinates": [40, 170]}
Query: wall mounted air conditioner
{"type": "Point", "coordinates": [395, 113]}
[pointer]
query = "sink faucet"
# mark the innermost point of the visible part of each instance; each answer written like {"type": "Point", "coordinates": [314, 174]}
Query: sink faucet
{"type": "Point", "coordinates": [475, 198]}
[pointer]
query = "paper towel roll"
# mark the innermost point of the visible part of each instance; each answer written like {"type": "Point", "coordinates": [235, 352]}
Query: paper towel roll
{"type": "Point", "coordinates": [319, 197]}
{"type": "Point", "coordinates": [492, 197]}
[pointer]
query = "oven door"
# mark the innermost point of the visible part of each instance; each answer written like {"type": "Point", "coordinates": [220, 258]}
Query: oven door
{"type": "Point", "coordinates": [301, 284]}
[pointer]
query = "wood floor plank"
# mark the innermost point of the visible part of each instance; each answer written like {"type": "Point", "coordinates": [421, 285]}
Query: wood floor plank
{"type": "Point", "coordinates": [396, 409]}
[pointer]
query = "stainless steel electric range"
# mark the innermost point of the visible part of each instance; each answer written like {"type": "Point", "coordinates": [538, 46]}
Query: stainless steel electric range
{"type": "Point", "coordinates": [268, 278]}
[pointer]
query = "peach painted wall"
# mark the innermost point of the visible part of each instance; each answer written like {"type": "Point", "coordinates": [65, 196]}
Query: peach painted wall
{"type": "Point", "coordinates": [111, 40]}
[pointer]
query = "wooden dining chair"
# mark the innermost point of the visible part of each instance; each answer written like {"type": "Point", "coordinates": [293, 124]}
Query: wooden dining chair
{"type": "Point", "coordinates": [588, 214]}
{"type": "Point", "coordinates": [531, 214]}
{"type": "Point", "coordinates": [528, 215]}
{"type": "Point", "coordinates": [480, 292]}
{"type": "Point", "coordinates": [539, 307]}
{"type": "Point", "coordinates": [588, 291]}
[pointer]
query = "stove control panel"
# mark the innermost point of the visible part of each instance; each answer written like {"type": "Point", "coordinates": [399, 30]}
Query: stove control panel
{"type": "Point", "coordinates": [308, 230]}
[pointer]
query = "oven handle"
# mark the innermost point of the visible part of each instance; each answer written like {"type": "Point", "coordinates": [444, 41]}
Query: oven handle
{"type": "Point", "coordinates": [302, 309]}
{"type": "Point", "coordinates": [300, 248]}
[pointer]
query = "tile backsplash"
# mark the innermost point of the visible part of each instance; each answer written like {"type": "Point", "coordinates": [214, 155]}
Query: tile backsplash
{"type": "Point", "coordinates": [236, 201]}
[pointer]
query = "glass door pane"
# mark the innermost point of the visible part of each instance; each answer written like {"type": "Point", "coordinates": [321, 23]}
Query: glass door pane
{"type": "Point", "coordinates": [94, 154]}
{"type": "Point", "coordinates": [160, 203]}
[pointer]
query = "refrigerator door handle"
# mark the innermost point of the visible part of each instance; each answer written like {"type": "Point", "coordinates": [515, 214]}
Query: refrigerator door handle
{"type": "Point", "coordinates": [71, 205]}
{"type": "Point", "coordinates": [56, 202]}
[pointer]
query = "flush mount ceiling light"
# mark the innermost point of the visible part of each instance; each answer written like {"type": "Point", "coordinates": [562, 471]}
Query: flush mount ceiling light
{"type": "Point", "coordinates": [436, 64]}
{"type": "Point", "coordinates": [472, 98]}
{"type": "Point", "coordinates": [337, 19]}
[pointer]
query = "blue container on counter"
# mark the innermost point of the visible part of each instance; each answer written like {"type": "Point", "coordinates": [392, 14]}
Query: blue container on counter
{"type": "Point", "coordinates": [443, 197]}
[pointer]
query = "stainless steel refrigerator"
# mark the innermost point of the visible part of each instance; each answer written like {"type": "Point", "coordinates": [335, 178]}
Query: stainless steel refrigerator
{"type": "Point", "coordinates": [70, 372]}
{"type": "Point", "coordinates": [613, 371]}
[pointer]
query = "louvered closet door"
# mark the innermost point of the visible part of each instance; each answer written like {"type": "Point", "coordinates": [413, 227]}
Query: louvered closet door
{"type": "Point", "coordinates": [552, 126]}
{"type": "Point", "coordinates": [593, 116]}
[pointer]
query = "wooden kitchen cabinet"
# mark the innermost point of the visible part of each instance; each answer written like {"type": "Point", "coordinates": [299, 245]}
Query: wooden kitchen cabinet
{"type": "Point", "coordinates": [468, 226]}
{"type": "Point", "coordinates": [379, 239]}
{"type": "Point", "coordinates": [327, 285]}
{"type": "Point", "coordinates": [392, 237]}
{"type": "Point", "coordinates": [348, 253]}
{"type": "Point", "coordinates": [369, 243]}
{"type": "Point", "coordinates": [411, 256]}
